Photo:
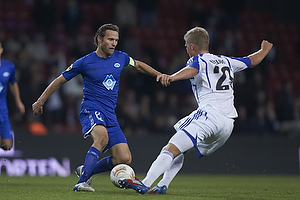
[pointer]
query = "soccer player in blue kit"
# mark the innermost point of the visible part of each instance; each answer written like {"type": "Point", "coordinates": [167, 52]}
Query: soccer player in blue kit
{"type": "Point", "coordinates": [208, 127]}
{"type": "Point", "coordinates": [100, 71]}
{"type": "Point", "coordinates": [7, 76]}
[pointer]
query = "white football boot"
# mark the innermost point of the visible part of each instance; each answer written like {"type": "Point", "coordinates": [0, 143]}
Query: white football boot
{"type": "Point", "coordinates": [78, 172]}
{"type": "Point", "coordinates": [83, 187]}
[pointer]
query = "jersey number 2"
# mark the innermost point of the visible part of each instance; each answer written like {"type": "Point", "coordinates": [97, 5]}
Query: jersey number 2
{"type": "Point", "coordinates": [223, 77]}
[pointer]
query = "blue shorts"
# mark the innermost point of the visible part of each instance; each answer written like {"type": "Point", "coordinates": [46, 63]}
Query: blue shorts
{"type": "Point", "coordinates": [89, 119]}
{"type": "Point", "coordinates": [5, 128]}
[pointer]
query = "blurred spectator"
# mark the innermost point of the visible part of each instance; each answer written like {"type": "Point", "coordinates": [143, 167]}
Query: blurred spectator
{"type": "Point", "coordinates": [240, 83]}
{"type": "Point", "coordinates": [159, 112]}
{"type": "Point", "coordinates": [284, 102]}
{"type": "Point", "coordinates": [44, 16]}
{"type": "Point", "coordinates": [145, 112]}
{"type": "Point", "coordinates": [242, 125]}
{"type": "Point", "coordinates": [259, 123]}
{"type": "Point", "coordinates": [212, 31]}
{"type": "Point", "coordinates": [297, 106]}
{"type": "Point", "coordinates": [13, 44]}
{"type": "Point", "coordinates": [38, 48]}
{"type": "Point", "coordinates": [229, 42]}
{"type": "Point", "coordinates": [125, 13]}
{"type": "Point", "coordinates": [82, 45]}
{"type": "Point", "coordinates": [230, 7]}
{"type": "Point", "coordinates": [148, 13]}
{"type": "Point", "coordinates": [54, 105]}
{"type": "Point", "coordinates": [286, 107]}
{"type": "Point", "coordinates": [198, 16]}
{"type": "Point", "coordinates": [72, 16]}
{"type": "Point", "coordinates": [256, 91]}
{"type": "Point", "coordinates": [272, 117]}
{"type": "Point", "coordinates": [26, 76]}
{"type": "Point", "coordinates": [126, 18]}
{"type": "Point", "coordinates": [173, 114]}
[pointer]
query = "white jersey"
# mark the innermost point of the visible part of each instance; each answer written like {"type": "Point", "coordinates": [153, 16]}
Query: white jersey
{"type": "Point", "coordinates": [213, 85]}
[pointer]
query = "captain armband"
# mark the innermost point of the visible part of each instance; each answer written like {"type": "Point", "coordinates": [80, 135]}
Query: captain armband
{"type": "Point", "coordinates": [131, 62]}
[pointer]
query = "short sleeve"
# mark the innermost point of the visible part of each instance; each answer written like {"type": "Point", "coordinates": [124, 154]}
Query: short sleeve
{"type": "Point", "coordinates": [73, 70]}
{"type": "Point", "coordinates": [193, 62]}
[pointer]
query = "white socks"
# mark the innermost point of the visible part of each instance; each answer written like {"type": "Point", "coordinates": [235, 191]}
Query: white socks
{"type": "Point", "coordinates": [172, 171]}
{"type": "Point", "coordinates": [158, 167]}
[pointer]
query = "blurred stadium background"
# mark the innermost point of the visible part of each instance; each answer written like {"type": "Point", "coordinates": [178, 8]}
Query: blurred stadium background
{"type": "Point", "coordinates": [43, 37]}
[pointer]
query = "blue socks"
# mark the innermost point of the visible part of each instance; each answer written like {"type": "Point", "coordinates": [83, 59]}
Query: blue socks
{"type": "Point", "coordinates": [91, 166]}
{"type": "Point", "coordinates": [103, 165]}
{"type": "Point", "coordinates": [90, 161]}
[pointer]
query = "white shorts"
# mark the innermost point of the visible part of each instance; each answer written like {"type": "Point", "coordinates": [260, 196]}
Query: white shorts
{"type": "Point", "coordinates": [206, 130]}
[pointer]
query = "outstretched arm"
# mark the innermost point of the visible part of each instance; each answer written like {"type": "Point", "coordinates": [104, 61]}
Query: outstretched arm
{"type": "Point", "coordinates": [146, 69]}
{"type": "Point", "coordinates": [185, 73]}
{"type": "Point", "coordinates": [16, 93]}
{"type": "Point", "coordinates": [37, 107]}
{"type": "Point", "coordinates": [258, 56]}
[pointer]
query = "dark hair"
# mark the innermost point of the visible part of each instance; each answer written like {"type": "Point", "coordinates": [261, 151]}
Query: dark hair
{"type": "Point", "coordinates": [102, 31]}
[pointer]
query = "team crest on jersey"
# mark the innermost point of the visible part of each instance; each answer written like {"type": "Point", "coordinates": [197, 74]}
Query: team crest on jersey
{"type": "Point", "coordinates": [5, 74]}
{"type": "Point", "coordinates": [70, 67]}
{"type": "Point", "coordinates": [109, 82]}
{"type": "Point", "coordinates": [117, 65]}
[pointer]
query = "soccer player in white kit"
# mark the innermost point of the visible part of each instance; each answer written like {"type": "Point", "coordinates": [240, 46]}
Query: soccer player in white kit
{"type": "Point", "coordinates": [208, 127]}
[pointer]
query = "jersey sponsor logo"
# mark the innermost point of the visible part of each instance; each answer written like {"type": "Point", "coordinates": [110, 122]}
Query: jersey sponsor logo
{"type": "Point", "coordinates": [5, 74]}
{"type": "Point", "coordinates": [69, 68]}
{"type": "Point", "coordinates": [109, 82]}
{"type": "Point", "coordinates": [117, 65]}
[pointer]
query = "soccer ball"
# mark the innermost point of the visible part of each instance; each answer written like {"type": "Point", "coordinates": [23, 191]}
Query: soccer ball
{"type": "Point", "coordinates": [121, 171]}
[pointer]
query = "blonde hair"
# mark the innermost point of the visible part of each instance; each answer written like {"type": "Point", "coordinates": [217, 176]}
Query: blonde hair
{"type": "Point", "coordinates": [199, 37]}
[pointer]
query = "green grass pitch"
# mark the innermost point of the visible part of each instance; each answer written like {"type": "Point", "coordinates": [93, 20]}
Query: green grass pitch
{"type": "Point", "coordinates": [208, 187]}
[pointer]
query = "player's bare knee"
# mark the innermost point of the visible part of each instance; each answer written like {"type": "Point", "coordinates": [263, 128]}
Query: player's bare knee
{"type": "Point", "coordinates": [124, 159]}
{"type": "Point", "coordinates": [167, 147]}
{"type": "Point", "coordinates": [172, 149]}
{"type": "Point", "coordinates": [128, 161]}
{"type": "Point", "coordinates": [100, 143]}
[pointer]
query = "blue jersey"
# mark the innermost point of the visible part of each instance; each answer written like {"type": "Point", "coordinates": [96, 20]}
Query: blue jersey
{"type": "Point", "coordinates": [101, 78]}
{"type": "Point", "coordinates": [7, 75]}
